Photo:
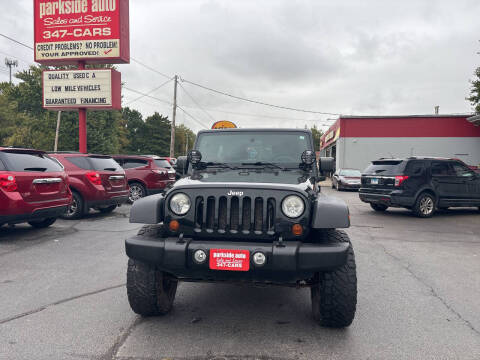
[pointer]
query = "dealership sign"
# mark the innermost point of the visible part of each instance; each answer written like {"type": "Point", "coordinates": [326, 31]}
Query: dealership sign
{"type": "Point", "coordinates": [94, 31]}
{"type": "Point", "coordinates": [75, 89]}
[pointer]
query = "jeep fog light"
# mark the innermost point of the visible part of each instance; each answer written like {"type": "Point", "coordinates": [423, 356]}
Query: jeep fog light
{"type": "Point", "coordinates": [259, 258]}
{"type": "Point", "coordinates": [200, 256]}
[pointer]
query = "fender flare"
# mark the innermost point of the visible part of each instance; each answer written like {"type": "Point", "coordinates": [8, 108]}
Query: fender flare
{"type": "Point", "coordinates": [330, 213]}
{"type": "Point", "coordinates": [148, 210]}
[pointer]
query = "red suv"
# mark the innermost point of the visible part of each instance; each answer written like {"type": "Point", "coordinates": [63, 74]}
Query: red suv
{"type": "Point", "coordinates": [96, 181]}
{"type": "Point", "coordinates": [145, 175]}
{"type": "Point", "coordinates": [33, 188]}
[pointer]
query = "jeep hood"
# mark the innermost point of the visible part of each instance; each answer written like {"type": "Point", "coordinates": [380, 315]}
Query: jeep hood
{"type": "Point", "coordinates": [282, 180]}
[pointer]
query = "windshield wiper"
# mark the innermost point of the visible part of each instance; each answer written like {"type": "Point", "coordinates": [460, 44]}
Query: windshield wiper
{"type": "Point", "coordinates": [266, 164]}
{"type": "Point", "coordinates": [35, 169]}
{"type": "Point", "coordinates": [110, 169]}
{"type": "Point", "coordinates": [218, 164]}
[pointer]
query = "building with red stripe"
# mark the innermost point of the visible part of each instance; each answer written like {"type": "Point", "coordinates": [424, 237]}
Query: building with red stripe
{"type": "Point", "coordinates": [354, 141]}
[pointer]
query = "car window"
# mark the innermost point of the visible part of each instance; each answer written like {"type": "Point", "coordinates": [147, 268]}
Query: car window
{"type": "Point", "coordinates": [385, 167]}
{"type": "Point", "coordinates": [441, 169]}
{"type": "Point", "coordinates": [134, 163]}
{"type": "Point", "coordinates": [104, 163]}
{"type": "Point", "coordinates": [21, 161]}
{"type": "Point", "coordinates": [163, 164]}
{"type": "Point", "coordinates": [80, 161]}
{"type": "Point", "coordinates": [461, 170]}
{"type": "Point", "coordinates": [414, 168]}
{"type": "Point", "coordinates": [350, 172]}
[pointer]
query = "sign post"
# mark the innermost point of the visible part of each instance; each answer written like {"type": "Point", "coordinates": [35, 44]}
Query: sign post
{"type": "Point", "coordinates": [80, 32]}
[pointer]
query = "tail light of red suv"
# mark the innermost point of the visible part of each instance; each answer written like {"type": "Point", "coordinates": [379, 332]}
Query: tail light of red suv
{"type": "Point", "coordinates": [94, 177]}
{"type": "Point", "coordinates": [8, 183]}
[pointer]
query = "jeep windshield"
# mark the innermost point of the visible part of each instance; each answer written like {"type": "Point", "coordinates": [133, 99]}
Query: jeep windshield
{"type": "Point", "coordinates": [270, 149]}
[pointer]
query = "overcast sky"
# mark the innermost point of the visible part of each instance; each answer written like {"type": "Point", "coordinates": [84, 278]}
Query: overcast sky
{"type": "Point", "coordinates": [348, 57]}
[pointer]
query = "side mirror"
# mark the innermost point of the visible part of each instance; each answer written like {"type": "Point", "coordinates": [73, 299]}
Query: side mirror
{"type": "Point", "coordinates": [325, 164]}
{"type": "Point", "coordinates": [182, 165]}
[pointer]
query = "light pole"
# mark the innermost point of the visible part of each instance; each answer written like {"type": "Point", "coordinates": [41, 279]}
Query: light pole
{"type": "Point", "coordinates": [11, 63]}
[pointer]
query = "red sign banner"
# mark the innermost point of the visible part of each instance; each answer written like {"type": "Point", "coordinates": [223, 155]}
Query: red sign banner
{"type": "Point", "coordinates": [232, 260]}
{"type": "Point", "coordinates": [69, 31]}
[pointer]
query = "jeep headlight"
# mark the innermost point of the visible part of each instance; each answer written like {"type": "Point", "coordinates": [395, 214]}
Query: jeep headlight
{"type": "Point", "coordinates": [293, 206]}
{"type": "Point", "coordinates": [180, 204]}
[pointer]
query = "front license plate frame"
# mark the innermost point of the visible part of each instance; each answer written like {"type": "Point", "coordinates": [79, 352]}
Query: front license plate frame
{"type": "Point", "coordinates": [229, 260]}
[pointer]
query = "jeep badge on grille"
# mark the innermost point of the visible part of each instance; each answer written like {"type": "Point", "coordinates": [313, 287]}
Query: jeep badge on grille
{"type": "Point", "coordinates": [235, 193]}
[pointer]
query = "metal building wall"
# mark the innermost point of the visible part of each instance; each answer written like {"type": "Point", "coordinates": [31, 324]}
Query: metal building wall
{"type": "Point", "coordinates": [357, 153]}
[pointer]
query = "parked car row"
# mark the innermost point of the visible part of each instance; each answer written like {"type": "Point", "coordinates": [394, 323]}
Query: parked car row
{"type": "Point", "coordinates": [38, 187]}
{"type": "Point", "coordinates": [421, 184]}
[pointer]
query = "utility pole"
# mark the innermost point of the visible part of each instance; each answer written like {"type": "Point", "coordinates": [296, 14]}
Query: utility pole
{"type": "Point", "coordinates": [186, 144]}
{"type": "Point", "coordinates": [172, 132]}
{"type": "Point", "coordinates": [11, 63]}
{"type": "Point", "coordinates": [55, 148]}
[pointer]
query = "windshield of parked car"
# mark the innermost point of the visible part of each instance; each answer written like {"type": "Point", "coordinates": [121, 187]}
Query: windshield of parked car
{"type": "Point", "coordinates": [388, 167]}
{"type": "Point", "coordinates": [245, 147]}
{"type": "Point", "coordinates": [163, 164]}
{"type": "Point", "coordinates": [22, 161]}
{"type": "Point", "coordinates": [104, 163]}
{"type": "Point", "coordinates": [350, 173]}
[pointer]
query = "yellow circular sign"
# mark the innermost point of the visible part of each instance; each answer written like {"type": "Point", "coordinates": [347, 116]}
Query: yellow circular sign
{"type": "Point", "coordinates": [224, 124]}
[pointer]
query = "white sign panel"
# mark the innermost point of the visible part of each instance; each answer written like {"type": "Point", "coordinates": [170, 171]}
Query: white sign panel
{"type": "Point", "coordinates": [77, 89]}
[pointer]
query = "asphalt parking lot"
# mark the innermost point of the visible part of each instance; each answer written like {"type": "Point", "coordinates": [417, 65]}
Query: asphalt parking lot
{"type": "Point", "coordinates": [62, 296]}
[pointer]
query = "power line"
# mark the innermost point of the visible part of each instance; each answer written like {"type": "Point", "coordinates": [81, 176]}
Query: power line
{"type": "Point", "coordinates": [148, 93]}
{"type": "Point", "coordinates": [191, 116]}
{"type": "Point", "coordinates": [16, 41]}
{"type": "Point", "coordinates": [149, 96]}
{"type": "Point", "coordinates": [199, 106]}
{"type": "Point", "coordinates": [150, 68]}
{"type": "Point", "coordinates": [167, 102]}
{"type": "Point", "coordinates": [257, 102]}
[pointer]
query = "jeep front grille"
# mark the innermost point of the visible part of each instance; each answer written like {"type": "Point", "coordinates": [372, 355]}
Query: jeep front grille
{"type": "Point", "coordinates": [235, 214]}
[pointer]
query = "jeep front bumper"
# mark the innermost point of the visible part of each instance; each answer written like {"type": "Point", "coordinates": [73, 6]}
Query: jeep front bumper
{"type": "Point", "coordinates": [288, 261]}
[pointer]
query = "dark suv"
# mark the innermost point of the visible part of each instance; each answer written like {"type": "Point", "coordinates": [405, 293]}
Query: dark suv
{"type": "Point", "coordinates": [247, 210]}
{"type": "Point", "coordinates": [145, 175]}
{"type": "Point", "coordinates": [421, 184]}
{"type": "Point", "coordinates": [96, 181]}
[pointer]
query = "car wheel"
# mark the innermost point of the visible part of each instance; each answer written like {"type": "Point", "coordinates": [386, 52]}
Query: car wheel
{"type": "Point", "coordinates": [150, 291]}
{"type": "Point", "coordinates": [107, 210]}
{"type": "Point", "coordinates": [378, 207]}
{"type": "Point", "coordinates": [334, 295]}
{"type": "Point", "coordinates": [41, 224]}
{"type": "Point", "coordinates": [137, 191]}
{"type": "Point", "coordinates": [75, 210]}
{"type": "Point", "coordinates": [424, 206]}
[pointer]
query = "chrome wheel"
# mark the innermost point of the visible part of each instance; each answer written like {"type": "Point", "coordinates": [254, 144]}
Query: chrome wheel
{"type": "Point", "coordinates": [426, 205]}
{"type": "Point", "coordinates": [136, 192]}
{"type": "Point", "coordinates": [72, 209]}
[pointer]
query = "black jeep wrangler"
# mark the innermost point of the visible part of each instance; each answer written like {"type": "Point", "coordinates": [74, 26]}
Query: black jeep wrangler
{"type": "Point", "coordinates": [248, 209]}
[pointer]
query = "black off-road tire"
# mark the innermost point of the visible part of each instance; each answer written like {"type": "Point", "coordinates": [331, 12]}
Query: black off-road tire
{"type": "Point", "coordinates": [378, 207]}
{"type": "Point", "coordinates": [334, 296]}
{"type": "Point", "coordinates": [150, 291]}
{"type": "Point", "coordinates": [41, 224]}
{"type": "Point", "coordinates": [76, 209]}
{"type": "Point", "coordinates": [424, 200]}
{"type": "Point", "coordinates": [107, 210]}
